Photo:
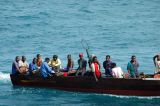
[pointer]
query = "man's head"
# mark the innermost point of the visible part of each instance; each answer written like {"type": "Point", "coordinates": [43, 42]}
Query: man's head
{"type": "Point", "coordinates": [69, 57]}
{"type": "Point", "coordinates": [81, 55]}
{"type": "Point", "coordinates": [158, 57]}
{"type": "Point", "coordinates": [23, 58]}
{"type": "Point", "coordinates": [108, 57]}
{"type": "Point", "coordinates": [55, 57]}
{"type": "Point", "coordinates": [91, 56]}
{"type": "Point", "coordinates": [47, 59]}
{"type": "Point", "coordinates": [34, 60]}
{"type": "Point", "coordinates": [38, 56]}
{"type": "Point", "coordinates": [133, 58]}
{"type": "Point", "coordinates": [95, 59]}
{"type": "Point", "coordinates": [113, 65]}
{"type": "Point", "coordinates": [17, 58]}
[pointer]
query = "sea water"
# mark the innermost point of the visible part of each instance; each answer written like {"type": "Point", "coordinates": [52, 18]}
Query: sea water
{"type": "Point", "coordinates": [120, 28]}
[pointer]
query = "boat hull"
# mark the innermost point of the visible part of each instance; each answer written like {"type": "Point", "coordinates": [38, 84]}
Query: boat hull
{"type": "Point", "coordinates": [128, 87]}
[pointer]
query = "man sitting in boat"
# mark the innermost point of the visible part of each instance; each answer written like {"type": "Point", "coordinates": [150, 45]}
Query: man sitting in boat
{"type": "Point", "coordinates": [70, 63]}
{"type": "Point", "coordinates": [156, 60]}
{"type": "Point", "coordinates": [95, 69]}
{"type": "Point", "coordinates": [45, 70]}
{"type": "Point", "coordinates": [33, 68]}
{"type": "Point", "coordinates": [39, 61]}
{"type": "Point", "coordinates": [107, 66]}
{"type": "Point", "coordinates": [15, 66]}
{"type": "Point", "coordinates": [91, 60]}
{"type": "Point", "coordinates": [132, 67]}
{"type": "Point", "coordinates": [82, 65]}
{"type": "Point", "coordinates": [23, 65]}
{"type": "Point", "coordinates": [55, 63]}
{"type": "Point", "coordinates": [117, 71]}
{"type": "Point", "coordinates": [69, 69]}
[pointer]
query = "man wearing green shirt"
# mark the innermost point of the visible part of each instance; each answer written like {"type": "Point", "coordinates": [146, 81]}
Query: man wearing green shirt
{"type": "Point", "coordinates": [132, 67]}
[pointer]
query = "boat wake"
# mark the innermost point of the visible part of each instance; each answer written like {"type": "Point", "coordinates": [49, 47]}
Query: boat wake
{"type": "Point", "coordinates": [4, 77]}
{"type": "Point", "coordinates": [128, 97]}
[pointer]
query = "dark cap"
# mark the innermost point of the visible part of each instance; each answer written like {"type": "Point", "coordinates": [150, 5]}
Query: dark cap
{"type": "Point", "coordinates": [55, 56]}
{"type": "Point", "coordinates": [113, 65]}
{"type": "Point", "coordinates": [133, 57]}
{"type": "Point", "coordinates": [38, 55]}
{"type": "Point", "coordinates": [108, 56]}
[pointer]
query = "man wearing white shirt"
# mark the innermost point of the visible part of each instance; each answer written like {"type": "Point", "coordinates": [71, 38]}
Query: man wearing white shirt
{"type": "Point", "coordinates": [156, 60]}
{"type": "Point", "coordinates": [117, 71]}
{"type": "Point", "coordinates": [23, 65]}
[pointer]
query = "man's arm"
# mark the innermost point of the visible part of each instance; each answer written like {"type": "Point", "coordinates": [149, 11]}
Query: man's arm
{"type": "Point", "coordinates": [88, 54]}
{"type": "Point", "coordinates": [17, 67]}
{"type": "Point", "coordinates": [104, 65]}
{"type": "Point", "coordinates": [49, 69]}
{"type": "Point", "coordinates": [154, 59]}
{"type": "Point", "coordinates": [128, 67]}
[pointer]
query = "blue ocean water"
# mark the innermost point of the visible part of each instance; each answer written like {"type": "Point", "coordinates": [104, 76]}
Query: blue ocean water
{"type": "Point", "coordinates": [120, 28]}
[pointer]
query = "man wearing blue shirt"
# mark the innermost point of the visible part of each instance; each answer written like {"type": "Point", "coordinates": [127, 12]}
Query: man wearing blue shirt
{"type": "Point", "coordinates": [45, 69]}
{"type": "Point", "coordinates": [33, 68]}
{"type": "Point", "coordinates": [107, 66]}
{"type": "Point", "coordinates": [15, 66]}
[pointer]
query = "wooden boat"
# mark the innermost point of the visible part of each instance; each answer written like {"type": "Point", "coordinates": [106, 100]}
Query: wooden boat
{"type": "Point", "coordinates": [129, 87]}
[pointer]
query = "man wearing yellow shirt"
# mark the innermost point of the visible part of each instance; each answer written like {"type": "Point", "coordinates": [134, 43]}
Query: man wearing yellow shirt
{"type": "Point", "coordinates": [55, 63]}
